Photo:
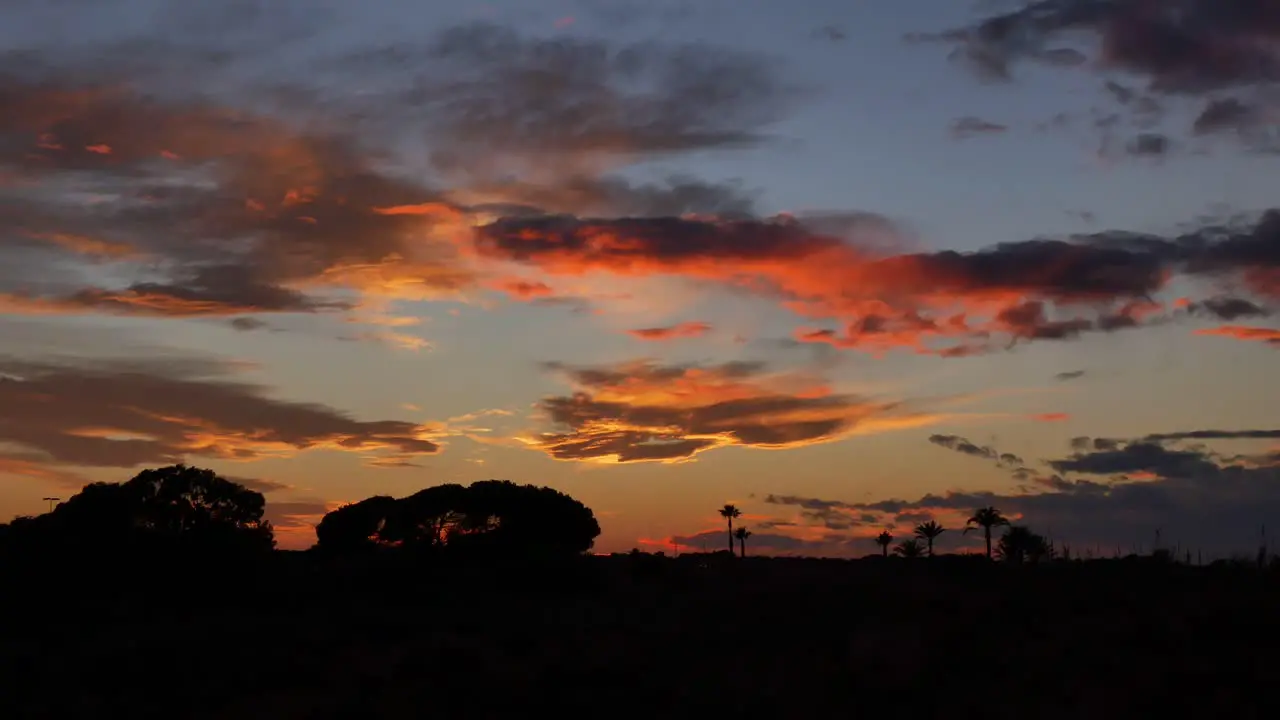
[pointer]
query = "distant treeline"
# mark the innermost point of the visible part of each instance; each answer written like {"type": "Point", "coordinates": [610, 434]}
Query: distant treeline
{"type": "Point", "coordinates": [192, 510]}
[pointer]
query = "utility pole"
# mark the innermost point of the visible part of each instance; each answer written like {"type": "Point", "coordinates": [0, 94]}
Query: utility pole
{"type": "Point", "coordinates": [51, 501]}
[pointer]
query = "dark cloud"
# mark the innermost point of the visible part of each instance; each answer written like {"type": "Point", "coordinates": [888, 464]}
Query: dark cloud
{"type": "Point", "coordinates": [1135, 458]}
{"type": "Point", "coordinates": [130, 413]}
{"type": "Point", "coordinates": [1227, 308]}
{"type": "Point", "coordinates": [496, 90]}
{"type": "Point", "coordinates": [966, 127]}
{"type": "Point", "coordinates": [1069, 375]}
{"type": "Point", "coordinates": [1196, 498]}
{"type": "Point", "coordinates": [261, 485]}
{"type": "Point", "coordinates": [1224, 114]}
{"type": "Point", "coordinates": [247, 324]}
{"type": "Point", "coordinates": [961, 445]}
{"type": "Point", "coordinates": [1148, 145]}
{"type": "Point", "coordinates": [643, 411]}
{"type": "Point", "coordinates": [1180, 46]}
{"type": "Point", "coordinates": [832, 33]}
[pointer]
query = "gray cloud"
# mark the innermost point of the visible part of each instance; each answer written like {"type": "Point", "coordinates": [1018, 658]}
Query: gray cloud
{"type": "Point", "coordinates": [161, 411]}
{"type": "Point", "coordinates": [1197, 498]}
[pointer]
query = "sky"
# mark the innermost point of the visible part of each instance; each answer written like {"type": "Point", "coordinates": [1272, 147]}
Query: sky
{"type": "Point", "coordinates": [848, 265]}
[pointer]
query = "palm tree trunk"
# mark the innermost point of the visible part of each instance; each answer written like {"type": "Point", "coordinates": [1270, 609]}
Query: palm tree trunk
{"type": "Point", "coordinates": [930, 546]}
{"type": "Point", "coordinates": [742, 545]}
{"type": "Point", "coordinates": [986, 533]}
{"type": "Point", "coordinates": [885, 548]}
{"type": "Point", "coordinates": [730, 535]}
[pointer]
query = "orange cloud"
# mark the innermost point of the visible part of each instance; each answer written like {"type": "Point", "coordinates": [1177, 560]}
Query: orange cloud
{"type": "Point", "coordinates": [1051, 417]}
{"type": "Point", "coordinates": [1252, 334]}
{"type": "Point", "coordinates": [682, 330]}
{"type": "Point", "coordinates": [89, 246]}
{"type": "Point", "coordinates": [641, 411]}
{"type": "Point", "coordinates": [44, 472]}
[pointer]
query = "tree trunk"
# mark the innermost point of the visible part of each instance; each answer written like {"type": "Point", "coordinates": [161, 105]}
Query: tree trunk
{"type": "Point", "coordinates": [986, 533]}
{"type": "Point", "coordinates": [930, 541]}
{"type": "Point", "coordinates": [730, 519]}
{"type": "Point", "coordinates": [885, 548]}
{"type": "Point", "coordinates": [742, 545]}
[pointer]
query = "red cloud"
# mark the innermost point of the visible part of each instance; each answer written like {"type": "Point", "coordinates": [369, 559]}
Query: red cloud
{"type": "Point", "coordinates": [682, 330]}
{"type": "Point", "coordinates": [1051, 417]}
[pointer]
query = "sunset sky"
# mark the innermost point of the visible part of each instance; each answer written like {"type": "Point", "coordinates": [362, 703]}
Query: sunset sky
{"type": "Point", "coordinates": [846, 264]}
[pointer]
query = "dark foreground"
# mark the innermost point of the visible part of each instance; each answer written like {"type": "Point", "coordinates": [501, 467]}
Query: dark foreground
{"type": "Point", "coordinates": [625, 637]}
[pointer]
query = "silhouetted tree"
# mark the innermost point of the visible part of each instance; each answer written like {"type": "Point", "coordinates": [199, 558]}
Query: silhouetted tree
{"type": "Point", "coordinates": [174, 506]}
{"type": "Point", "coordinates": [357, 526]}
{"type": "Point", "coordinates": [884, 540]}
{"type": "Point", "coordinates": [742, 534]}
{"type": "Point", "coordinates": [729, 512]}
{"type": "Point", "coordinates": [929, 531]}
{"type": "Point", "coordinates": [909, 548]}
{"type": "Point", "coordinates": [1018, 545]}
{"type": "Point", "coordinates": [985, 518]}
{"type": "Point", "coordinates": [488, 516]}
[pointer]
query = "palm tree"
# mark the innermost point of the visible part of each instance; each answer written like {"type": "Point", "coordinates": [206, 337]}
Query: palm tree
{"type": "Point", "coordinates": [742, 534]}
{"type": "Point", "coordinates": [929, 531]}
{"type": "Point", "coordinates": [884, 540]}
{"type": "Point", "coordinates": [909, 548]}
{"type": "Point", "coordinates": [729, 512]}
{"type": "Point", "coordinates": [985, 518]}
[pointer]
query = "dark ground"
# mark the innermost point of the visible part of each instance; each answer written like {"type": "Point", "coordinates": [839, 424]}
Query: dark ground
{"type": "Point", "coordinates": [627, 637]}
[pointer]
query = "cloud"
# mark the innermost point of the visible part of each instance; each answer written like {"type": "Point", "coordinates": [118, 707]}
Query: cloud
{"type": "Point", "coordinates": [681, 330]}
{"type": "Point", "coordinates": [1051, 417]}
{"type": "Point", "coordinates": [966, 447]}
{"type": "Point", "coordinates": [1270, 336]}
{"type": "Point", "coordinates": [261, 485]}
{"type": "Point", "coordinates": [966, 127]}
{"type": "Point", "coordinates": [223, 212]}
{"type": "Point", "coordinates": [496, 90]}
{"type": "Point", "coordinates": [1069, 375]}
{"type": "Point", "coordinates": [31, 466]}
{"type": "Point", "coordinates": [247, 324]}
{"type": "Point", "coordinates": [767, 543]}
{"type": "Point", "coordinates": [136, 195]}
{"type": "Point", "coordinates": [1180, 48]}
{"type": "Point", "coordinates": [642, 411]}
{"type": "Point", "coordinates": [944, 303]}
{"type": "Point", "coordinates": [1183, 46]}
{"type": "Point", "coordinates": [130, 413]}
{"type": "Point", "coordinates": [1148, 145]}
{"type": "Point", "coordinates": [1227, 308]}
{"type": "Point", "coordinates": [1197, 498]}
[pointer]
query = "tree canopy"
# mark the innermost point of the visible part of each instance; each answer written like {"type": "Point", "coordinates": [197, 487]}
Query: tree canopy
{"type": "Point", "coordinates": [164, 507]}
{"type": "Point", "coordinates": [487, 516]}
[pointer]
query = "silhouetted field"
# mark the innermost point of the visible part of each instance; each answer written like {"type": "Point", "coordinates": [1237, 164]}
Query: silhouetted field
{"type": "Point", "coordinates": [296, 635]}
